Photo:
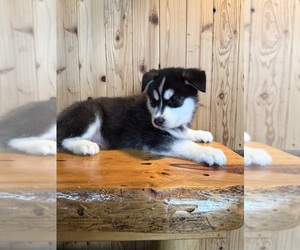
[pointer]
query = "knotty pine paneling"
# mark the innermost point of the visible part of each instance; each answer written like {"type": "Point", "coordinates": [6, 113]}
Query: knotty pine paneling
{"type": "Point", "coordinates": [272, 81]}
{"type": "Point", "coordinates": [28, 52]}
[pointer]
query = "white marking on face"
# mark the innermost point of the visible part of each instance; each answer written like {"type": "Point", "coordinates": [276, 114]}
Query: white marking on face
{"type": "Point", "coordinates": [168, 93]}
{"type": "Point", "coordinates": [174, 117]}
{"type": "Point", "coordinates": [161, 86]}
{"type": "Point", "coordinates": [155, 95]}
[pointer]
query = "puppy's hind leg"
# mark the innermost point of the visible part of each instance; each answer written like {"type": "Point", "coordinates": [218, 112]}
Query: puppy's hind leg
{"type": "Point", "coordinates": [39, 145]}
{"type": "Point", "coordinates": [83, 145]}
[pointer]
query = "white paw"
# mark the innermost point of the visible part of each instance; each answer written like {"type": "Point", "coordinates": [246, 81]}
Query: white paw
{"type": "Point", "coordinates": [81, 147]}
{"type": "Point", "coordinates": [256, 156]}
{"type": "Point", "coordinates": [201, 136]}
{"type": "Point", "coordinates": [34, 146]}
{"type": "Point", "coordinates": [214, 156]}
{"type": "Point", "coordinates": [46, 147]}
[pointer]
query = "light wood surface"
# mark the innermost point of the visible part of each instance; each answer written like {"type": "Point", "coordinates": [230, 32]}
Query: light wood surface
{"type": "Point", "coordinates": [133, 191]}
{"type": "Point", "coordinates": [28, 52]}
{"type": "Point", "coordinates": [272, 54]}
{"type": "Point", "coordinates": [272, 193]}
{"type": "Point", "coordinates": [226, 91]}
{"type": "Point", "coordinates": [27, 197]}
{"type": "Point", "coordinates": [200, 40]}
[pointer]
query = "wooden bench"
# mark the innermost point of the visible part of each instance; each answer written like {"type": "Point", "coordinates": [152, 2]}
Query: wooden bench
{"type": "Point", "coordinates": [131, 195]}
{"type": "Point", "coordinates": [122, 195]}
{"type": "Point", "coordinates": [272, 202]}
{"type": "Point", "coordinates": [28, 200]}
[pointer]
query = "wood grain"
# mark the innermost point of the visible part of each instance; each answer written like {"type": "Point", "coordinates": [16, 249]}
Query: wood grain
{"type": "Point", "coordinates": [203, 241]}
{"type": "Point", "coordinates": [277, 185]}
{"type": "Point", "coordinates": [28, 52]}
{"type": "Point", "coordinates": [68, 81]}
{"type": "Point", "coordinates": [225, 85]}
{"type": "Point", "coordinates": [199, 42]}
{"type": "Point", "coordinates": [293, 135]}
{"type": "Point", "coordinates": [173, 33]}
{"type": "Point", "coordinates": [282, 239]}
{"type": "Point", "coordinates": [145, 39]}
{"type": "Point", "coordinates": [271, 49]}
{"type": "Point", "coordinates": [118, 30]}
{"type": "Point", "coordinates": [44, 27]}
{"type": "Point", "coordinates": [272, 202]}
{"type": "Point", "coordinates": [28, 198]}
{"type": "Point", "coordinates": [114, 190]}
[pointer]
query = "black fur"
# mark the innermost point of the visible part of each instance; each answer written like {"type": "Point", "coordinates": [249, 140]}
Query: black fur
{"type": "Point", "coordinates": [195, 77]}
{"type": "Point", "coordinates": [126, 122]}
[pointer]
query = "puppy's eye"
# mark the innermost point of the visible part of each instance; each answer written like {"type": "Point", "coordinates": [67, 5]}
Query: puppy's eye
{"type": "Point", "coordinates": [174, 99]}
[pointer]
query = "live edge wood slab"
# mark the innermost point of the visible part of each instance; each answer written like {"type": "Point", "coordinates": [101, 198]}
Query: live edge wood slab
{"type": "Point", "coordinates": [272, 193]}
{"type": "Point", "coordinates": [137, 192]}
{"type": "Point", "coordinates": [27, 198]}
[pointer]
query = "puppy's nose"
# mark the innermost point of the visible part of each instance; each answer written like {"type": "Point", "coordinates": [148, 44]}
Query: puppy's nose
{"type": "Point", "coordinates": [159, 121]}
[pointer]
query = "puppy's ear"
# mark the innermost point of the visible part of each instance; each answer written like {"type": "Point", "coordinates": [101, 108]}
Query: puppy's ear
{"type": "Point", "coordinates": [195, 78]}
{"type": "Point", "coordinates": [148, 78]}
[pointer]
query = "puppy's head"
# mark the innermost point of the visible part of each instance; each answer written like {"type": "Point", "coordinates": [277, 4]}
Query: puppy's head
{"type": "Point", "coordinates": [172, 95]}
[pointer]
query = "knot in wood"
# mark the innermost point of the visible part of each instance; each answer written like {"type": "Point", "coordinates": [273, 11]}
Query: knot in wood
{"type": "Point", "coordinates": [143, 68]}
{"type": "Point", "coordinates": [118, 36]}
{"type": "Point", "coordinates": [58, 71]}
{"type": "Point", "coordinates": [38, 211]}
{"type": "Point", "coordinates": [103, 78]}
{"type": "Point", "coordinates": [80, 211]}
{"type": "Point", "coordinates": [221, 96]}
{"type": "Point", "coordinates": [264, 96]}
{"type": "Point", "coordinates": [153, 17]}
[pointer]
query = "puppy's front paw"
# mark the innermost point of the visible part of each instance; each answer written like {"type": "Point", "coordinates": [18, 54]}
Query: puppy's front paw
{"type": "Point", "coordinates": [214, 156]}
{"type": "Point", "coordinates": [85, 147]}
{"type": "Point", "coordinates": [256, 156]}
{"type": "Point", "coordinates": [202, 136]}
{"type": "Point", "coordinates": [81, 147]}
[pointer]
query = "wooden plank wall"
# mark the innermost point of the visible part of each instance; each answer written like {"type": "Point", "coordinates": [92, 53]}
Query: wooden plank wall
{"type": "Point", "coordinates": [272, 72]}
{"type": "Point", "coordinates": [104, 47]}
{"type": "Point", "coordinates": [232, 240]}
{"type": "Point", "coordinates": [28, 52]}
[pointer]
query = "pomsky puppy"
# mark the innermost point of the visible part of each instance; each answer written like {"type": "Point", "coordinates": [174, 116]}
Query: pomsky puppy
{"type": "Point", "coordinates": [156, 121]}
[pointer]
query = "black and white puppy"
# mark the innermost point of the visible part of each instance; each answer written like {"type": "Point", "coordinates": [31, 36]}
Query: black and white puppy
{"type": "Point", "coordinates": [156, 121]}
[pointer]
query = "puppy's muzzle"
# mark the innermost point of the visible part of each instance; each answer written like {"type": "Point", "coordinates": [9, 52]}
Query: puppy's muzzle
{"type": "Point", "coordinates": [159, 121]}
